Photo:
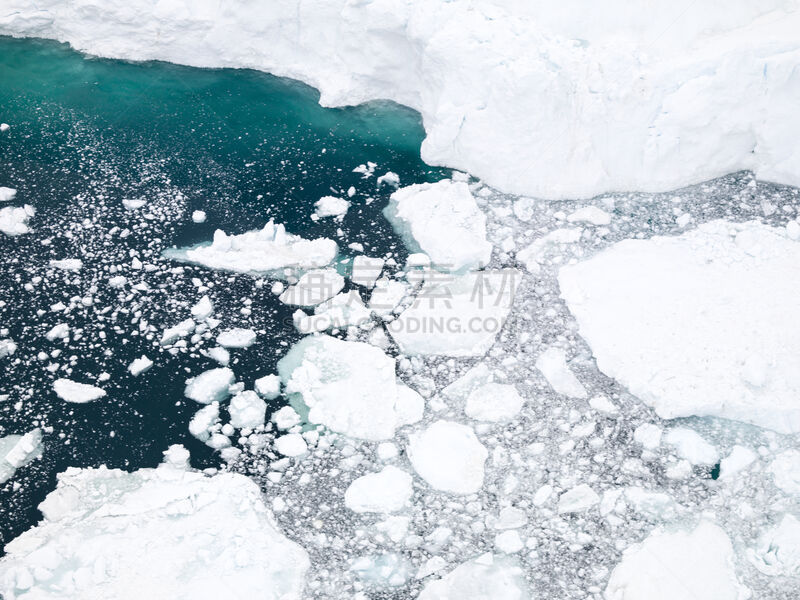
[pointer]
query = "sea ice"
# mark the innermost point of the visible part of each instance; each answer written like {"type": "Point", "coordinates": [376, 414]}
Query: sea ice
{"type": "Point", "coordinates": [14, 220]}
{"type": "Point", "coordinates": [237, 338]}
{"type": "Point", "coordinates": [442, 220]}
{"type": "Point", "coordinates": [7, 194]}
{"type": "Point", "coordinates": [140, 365]}
{"type": "Point", "coordinates": [553, 365]}
{"type": "Point", "coordinates": [17, 451]}
{"type": "Point", "coordinates": [153, 533]}
{"type": "Point", "coordinates": [494, 402]}
{"type": "Point", "coordinates": [210, 386]}
{"type": "Point", "coordinates": [331, 206]}
{"type": "Point", "coordinates": [778, 550]}
{"type": "Point", "coordinates": [786, 471]}
{"type": "Point", "coordinates": [313, 288]}
{"type": "Point", "coordinates": [691, 446]}
{"type": "Point", "coordinates": [366, 270]}
{"type": "Point", "coordinates": [268, 386]}
{"type": "Point", "coordinates": [247, 410]}
{"type": "Point", "coordinates": [697, 324]}
{"type": "Point", "coordinates": [449, 457]}
{"type": "Point", "coordinates": [79, 393]}
{"type": "Point", "coordinates": [486, 576]}
{"type": "Point", "coordinates": [386, 491]}
{"type": "Point", "coordinates": [263, 251]}
{"type": "Point", "coordinates": [678, 566]}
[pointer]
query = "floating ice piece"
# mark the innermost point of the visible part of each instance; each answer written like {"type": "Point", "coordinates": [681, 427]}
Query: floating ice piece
{"type": "Point", "coordinates": [340, 312]}
{"type": "Point", "coordinates": [508, 542]}
{"type": "Point", "coordinates": [17, 451]}
{"type": "Point", "coordinates": [456, 315]}
{"type": "Point", "coordinates": [786, 471]}
{"type": "Point", "coordinates": [218, 354]}
{"type": "Point", "coordinates": [247, 410]}
{"type": "Point", "coordinates": [268, 386]}
{"type": "Point", "coordinates": [133, 204]}
{"type": "Point", "coordinates": [4, 126]}
{"type": "Point", "coordinates": [14, 220]}
{"type": "Point", "coordinates": [696, 324]}
{"type": "Point", "coordinates": [140, 365]}
{"type": "Point", "coordinates": [67, 264]}
{"type": "Point", "coordinates": [389, 178]}
{"type": "Point", "coordinates": [678, 566]}
{"type": "Point", "coordinates": [738, 460]}
{"type": "Point", "coordinates": [210, 386]}
{"type": "Point", "coordinates": [442, 220]}
{"type": "Point", "coordinates": [494, 402]}
{"type": "Point", "coordinates": [168, 532]}
{"type": "Point", "coordinates": [7, 347]}
{"type": "Point", "coordinates": [313, 288]}
{"type": "Point", "coordinates": [578, 499]}
{"type": "Point", "coordinates": [778, 550]}
{"type": "Point", "coordinates": [533, 255]}
{"type": "Point", "coordinates": [203, 420]}
{"type": "Point", "coordinates": [237, 338]}
{"type": "Point", "coordinates": [331, 206]}
{"type": "Point", "coordinates": [58, 332]}
{"type": "Point", "coordinates": [366, 270]}
{"type": "Point", "coordinates": [285, 417]}
{"type": "Point", "coordinates": [449, 457]}
{"type": "Point", "coordinates": [291, 444]}
{"type": "Point", "coordinates": [203, 309]}
{"type": "Point", "coordinates": [553, 365]}
{"type": "Point", "coordinates": [264, 251]}
{"type": "Point", "coordinates": [589, 214]}
{"type": "Point", "coordinates": [486, 576]}
{"type": "Point", "coordinates": [79, 393]}
{"type": "Point", "coordinates": [199, 216]}
{"type": "Point", "coordinates": [387, 295]}
{"type": "Point", "coordinates": [386, 491]}
{"type": "Point", "coordinates": [691, 446]}
{"type": "Point", "coordinates": [181, 330]}
{"type": "Point", "coordinates": [7, 194]}
{"type": "Point", "coordinates": [349, 387]}
{"type": "Point", "coordinates": [648, 435]}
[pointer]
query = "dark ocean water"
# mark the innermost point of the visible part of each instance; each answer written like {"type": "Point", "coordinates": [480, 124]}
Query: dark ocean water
{"type": "Point", "coordinates": [243, 146]}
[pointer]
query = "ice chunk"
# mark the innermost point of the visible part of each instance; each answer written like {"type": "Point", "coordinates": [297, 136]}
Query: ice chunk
{"type": "Point", "coordinates": [7, 194]}
{"type": "Point", "coordinates": [678, 566]}
{"type": "Point", "coordinates": [494, 402]}
{"type": "Point", "coordinates": [203, 420]}
{"type": "Point", "coordinates": [247, 410]}
{"type": "Point", "coordinates": [140, 365]}
{"type": "Point", "coordinates": [285, 417]}
{"type": "Point", "coordinates": [237, 338]}
{"type": "Point", "coordinates": [199, 216]}
{"type": "Point", "coordinates": [7, 347]}
{"type": "Point", "coordinates": [386, 491]}
{"type": "Point", "coordinates": [553, 365]}
{"type": "Point", "coordinates": [210, 386]}
{"type": "Point", "coordinates": [456, 315]}
{"type": "Point", "coordinates": [17, 451]}
{"type": "Point", "coordinates": [331, 206]}
{"type": "Point", "coordinates": [314, 287]}
{"type": "Point", "coordinates": [340, 312]}
{"type": "Point", "coordinates": [264, 251]}
{"type": "Point", "coordinates": [58, 332]}
{"type": "Point", "coordinates": [738, 460]}
{"type": "Point", "coordinates": [696, 324]}
{"type": "Point", "coordinates": [786, 471]}
{"type": "Point", "coordinates": [14, 220]}
{"type": "Point", "coordinates": [691, 446]}
{"type": "Point", "coordinates": [350, 387]}
{"type": "Point", "coordinates": [79, 393]}
{"type": "Point", "coordinates": [173, 334]}
{"type": "Point", "coordinates": [67, 264]}
{"type": "Point", "coordinates": [291, 444]}
{"type": "Point", "coordinates": [165, 533]}
{"type": "Point", "coordinates": [578, 499]}
{"type": "Point", "coordinates": [442, 220]}
{"type": "Point", "coordinates": [449, 457]}
{"type": "Point", "coordinates": [268, 386]}
{"type": "Point", "coordinates": [203, 309]}
{"type": "Point", "coordinates": [533, 255]}
{"type": "Point", "coordinates": [366, 270]}
{"type": "Point", "coordinates": [778, 550]}
{"type": "Point", "coordinates": [484, 577]}
{"type": "Point", "coordinates": [589, 214]}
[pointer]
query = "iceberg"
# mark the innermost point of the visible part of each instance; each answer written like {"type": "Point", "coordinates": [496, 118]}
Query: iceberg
{"type": "Point", "coordinates": [700, 324]}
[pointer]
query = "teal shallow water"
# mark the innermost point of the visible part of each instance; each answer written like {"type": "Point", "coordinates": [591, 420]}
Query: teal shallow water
{"type": "Point", "coordinates": [241, 145]}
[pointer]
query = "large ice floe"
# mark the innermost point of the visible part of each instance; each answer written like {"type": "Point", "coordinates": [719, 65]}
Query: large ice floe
{"type": "Point", "coordinates": [698, 324]}
{"type": "Point", "coordinates": [270, 250]}
{"type": "Point", "coordinates": [168, 532]}
{"type": "Point", "coordinates": [552, 101]}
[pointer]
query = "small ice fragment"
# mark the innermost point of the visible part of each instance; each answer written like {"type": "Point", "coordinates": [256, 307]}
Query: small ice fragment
{"type": "Point", "coordinates": [578, 499]}
{"type": "Point", "coordinates": [387, 491]}
{"type": "Point", "coordinates": [7, 194]}
{"type": "Point", "coordinates": [237, 338]}
{"type": "Point", "coordinates": [78, 393]}
{"type": "Point", "coordinates": [209, 386]}
{"type": "Point", "coordinates": [291, 444]}
{"type": "Point", "coordinates": [247, 410]}
{"type": "Point", "coordinates": [199, 216]}
{"type": "Point", "coordinates": [553, 365]}
{"type": "Point", "coordinates": [268, 386]}
{"type": "Point", "coordinates": [140, 365]}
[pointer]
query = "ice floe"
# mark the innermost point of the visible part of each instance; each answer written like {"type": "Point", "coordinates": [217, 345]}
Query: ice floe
{"type": "Point", "coordinates": [14, 219]}
{"type": "Point", "coordinates": [76, 392]}
{"type": "Point", "coordinates": [486, 576]}
{"type": "Point", "coordinates": [386, 491]}
{"type": "Point", "coordinates": [17, 451]}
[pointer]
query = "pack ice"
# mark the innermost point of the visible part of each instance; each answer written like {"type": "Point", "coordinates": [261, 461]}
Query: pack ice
{"type": "Point", "coordinates": [699, 324]}
{"type": "Point", "coordinates": [168, 532]}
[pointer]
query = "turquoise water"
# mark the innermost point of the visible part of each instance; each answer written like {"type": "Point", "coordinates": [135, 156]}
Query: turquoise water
{"type": "Point", "coordinates": [243, 146]}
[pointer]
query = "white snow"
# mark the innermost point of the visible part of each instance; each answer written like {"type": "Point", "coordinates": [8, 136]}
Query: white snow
{"type": "Point", "coordinates": [263, 251]}
{"type": "Point", "coordinates": [7, 194]}
{"type": "Point", "coordinates": [484, 577]}
{"type": "Point", "coordinates": [442, 220]}
{"type": "Point", "coordinates": [14, 220]}
{"type": "Point", "coordinates": [386, 491]}
{"type": "Point", "coordinates": [778, 550]}
{"type": "Point", "coordinates": [140, 365]}
{"type": "Point", "coordinates": [627, 96]}
{"type": "Point", "coordinates": [678, 566]}
{"type": "Point", "coordinates": [79, 393]}
{"type": "Point", "coordinates": [349, 387]}
{"type": "Point", "coordinates": [553, 365]}
{"type": "Point", "coordinates": [237, 338]}
{"type": "Point", "coordinates": [210, 386]}
{"type": "Point", "coordinates": [331, 206]}
{"type": "Point", "coordinates": [456, 315]}
{"type": "Point", "coordinates": [247, 410]}
{"type": "Point", "coordinates": [313, 288]}
{"type": "Point", "coordinates": [697, 324]}
{"type": "Point", "coordinates": [154, 533]}
{"type": "Point", "coordinates": [493, 402]}
{"type": "Point", "coordinates": [449, 457]}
